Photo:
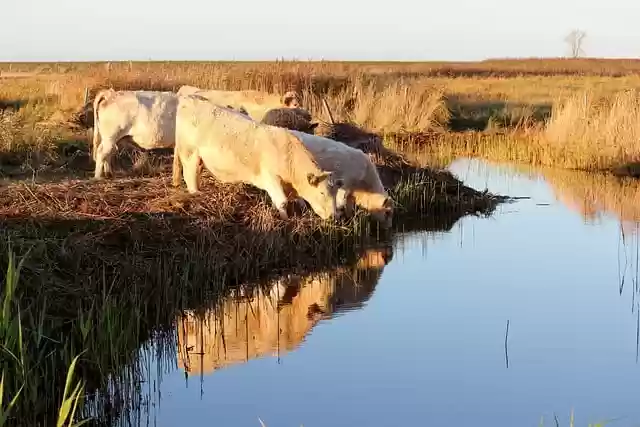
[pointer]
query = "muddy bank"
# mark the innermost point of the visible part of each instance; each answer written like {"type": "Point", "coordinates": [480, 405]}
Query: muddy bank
{"type": "Point", "coordinates": [73, 225]}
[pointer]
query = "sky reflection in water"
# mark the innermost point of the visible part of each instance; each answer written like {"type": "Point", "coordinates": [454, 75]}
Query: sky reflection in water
{"type": "Point", "coordinates": [427, 347]}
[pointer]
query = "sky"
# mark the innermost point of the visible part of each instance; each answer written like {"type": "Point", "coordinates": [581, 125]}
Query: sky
{"type": "Point", "coordinates": [453, 30]}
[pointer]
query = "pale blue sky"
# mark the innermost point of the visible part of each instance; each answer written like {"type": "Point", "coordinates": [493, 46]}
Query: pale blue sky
{"type": "Point", "coordinates": [330, 29]}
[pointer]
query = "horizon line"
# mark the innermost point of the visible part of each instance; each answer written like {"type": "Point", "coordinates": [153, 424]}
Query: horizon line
{"type": "Point", "coordinates": [489, 59]}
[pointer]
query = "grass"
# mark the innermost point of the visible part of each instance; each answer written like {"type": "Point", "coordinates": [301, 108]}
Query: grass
{"type": "Point", "coordinates": [584, 132]}
{"type": "Point", "coordinates": [556, 421]}
{"type": "Point", "coordinates": [529, 110]}
{"type": "Point", "coordinates": [548, 112]}
{"type": "Point", "coordinates": [596, 133]}
{"type": "Point", "coordinates": [26, 354]}
{"type": "Point", "coordinates": [515, 67]}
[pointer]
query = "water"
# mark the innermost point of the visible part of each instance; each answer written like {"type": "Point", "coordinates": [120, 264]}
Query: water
{"type": "Point", "coordinates": [421, 340]}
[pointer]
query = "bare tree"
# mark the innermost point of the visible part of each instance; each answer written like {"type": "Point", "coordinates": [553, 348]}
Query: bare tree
{"type": "Point", "coordinates": [575, 40]}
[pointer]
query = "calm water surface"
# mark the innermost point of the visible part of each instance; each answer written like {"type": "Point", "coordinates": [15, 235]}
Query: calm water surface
{"type": "Point", "coordinates": [421, 340]}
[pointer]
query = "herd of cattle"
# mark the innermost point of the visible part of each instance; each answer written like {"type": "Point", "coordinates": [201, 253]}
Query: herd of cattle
{"type": "Point", "coordinates": [243, 136]}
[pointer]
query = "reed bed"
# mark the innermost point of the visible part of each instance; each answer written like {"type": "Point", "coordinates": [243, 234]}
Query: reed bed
{"type": "Point", "coordinates": [534, 112]}
{"type": "Point", "coordinates": [584, 132]}
{"type": "Point", "coordinates": [596, 133]}
{"type": "Point", "coordinates": [492, 67]}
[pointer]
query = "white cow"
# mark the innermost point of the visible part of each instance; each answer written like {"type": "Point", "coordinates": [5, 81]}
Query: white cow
{"type": "Point", "coordinates": [361, 183]}
{"type": "Point", "coordinates": [254, 102]}
{"type": "Point", "coordinates": [149, 118]}
{"type": "Point", "coordinates": [235, 148]}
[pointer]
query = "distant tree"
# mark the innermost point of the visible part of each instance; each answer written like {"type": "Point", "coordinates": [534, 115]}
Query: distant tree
{"type": "Point", "coordinates": [575, 40]}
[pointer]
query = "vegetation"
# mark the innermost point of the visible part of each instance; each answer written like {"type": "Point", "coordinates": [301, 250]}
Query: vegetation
{"type": "Point", "coordinates": [569, 113]}
{"type": "Point", "coordinates": [28, 352]}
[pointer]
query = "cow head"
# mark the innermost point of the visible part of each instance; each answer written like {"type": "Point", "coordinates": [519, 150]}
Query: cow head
{"type": "Point", "coordinates": [321, 193]}
{"type": "Point", "coordinates": [292, 99]}
{"type": "Point", "coordinates": [381, 208]}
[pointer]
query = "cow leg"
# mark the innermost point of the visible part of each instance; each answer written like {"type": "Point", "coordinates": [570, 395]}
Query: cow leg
{"type": "Point", "coordinates": [103, 157]}
{"type": "Point", "coordinates": [276, 193]}
{"type": "Point", "coordinates": [176, 175]}
{"type": "Point", "coordinates": [190, 163]}
{"type": "Point", "coordinates": [344, 202]}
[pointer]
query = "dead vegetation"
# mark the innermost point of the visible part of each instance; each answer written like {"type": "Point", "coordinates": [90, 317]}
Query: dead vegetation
{"type": "Point", "coordinates": [514, 67]}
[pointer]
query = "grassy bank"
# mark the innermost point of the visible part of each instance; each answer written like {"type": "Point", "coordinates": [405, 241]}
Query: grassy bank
{"type": "Point", "coordinates": [515, 67]}
{"type": "Point", "coordinates": [577, 114]}
{"type": "Point", "coordinates": [586, 132]}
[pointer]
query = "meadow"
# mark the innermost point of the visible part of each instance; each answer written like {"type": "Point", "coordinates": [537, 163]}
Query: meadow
{"type": "Point", "coordinates": [107, 265]}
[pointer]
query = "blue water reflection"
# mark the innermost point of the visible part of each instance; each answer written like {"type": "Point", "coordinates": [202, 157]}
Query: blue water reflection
{"type": "Point", "coordinates": [428, 345]}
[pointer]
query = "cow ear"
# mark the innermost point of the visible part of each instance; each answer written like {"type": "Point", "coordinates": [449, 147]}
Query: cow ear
{"type": "Point", "coordinates": [388, 203]}
{"type": "Point", "coordinates": [313, 126]}
{"type": "Point", "coordinates": [317, 179]}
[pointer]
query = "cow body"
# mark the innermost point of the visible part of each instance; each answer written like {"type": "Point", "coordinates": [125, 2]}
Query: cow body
{"type": "Point", "coordinates": [290, 118]}
{"type": "Point", "coordinates": [255, 103]}
{"type": "Point", "coordinates": [148, 118]}
{"type": "Point", "coordinates": [352, 135]}
{"type": "Point", "coordinates": [235, 148]}
{"type": "Point", "coordinates": [361, 183]}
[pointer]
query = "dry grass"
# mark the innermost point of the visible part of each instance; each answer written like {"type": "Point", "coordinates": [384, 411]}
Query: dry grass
{"type": "Point", "coordinates": [594, 132]}
{"type": "Point", "coordinates": [585, 131]}
{"type": "Point", "coordinates": [378, 105]}
{"type": "Point", "coordinates": [397, 107]}
{"type": "Point", "coordinates": [393, 96]}
{"type": "Point", "coordinates": [487, 68]}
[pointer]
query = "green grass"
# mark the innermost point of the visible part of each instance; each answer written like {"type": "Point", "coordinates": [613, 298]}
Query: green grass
{"type": "Point", "coordinates": [26, 358]}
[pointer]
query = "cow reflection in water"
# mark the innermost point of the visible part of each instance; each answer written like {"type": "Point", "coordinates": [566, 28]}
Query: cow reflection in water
{"type": "Point", "coordinates": [276, 320]}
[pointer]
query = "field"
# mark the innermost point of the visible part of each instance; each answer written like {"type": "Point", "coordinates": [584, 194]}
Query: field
{"type": "Point", "coordinates": [109, 264]}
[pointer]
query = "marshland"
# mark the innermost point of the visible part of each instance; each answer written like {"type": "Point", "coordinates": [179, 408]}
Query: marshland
{"type": "Point", "coordinates": [505, 293]}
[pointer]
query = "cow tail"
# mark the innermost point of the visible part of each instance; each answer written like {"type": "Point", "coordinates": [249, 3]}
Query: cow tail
{"type": "Point", "coordinates": [100, 97]}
